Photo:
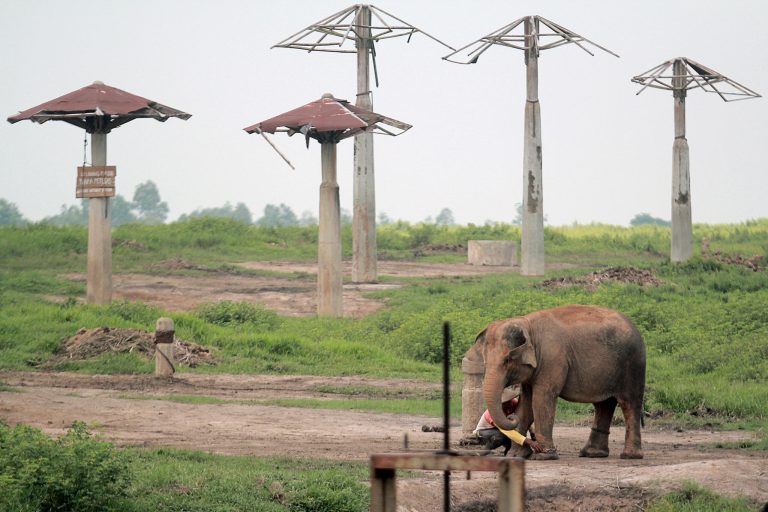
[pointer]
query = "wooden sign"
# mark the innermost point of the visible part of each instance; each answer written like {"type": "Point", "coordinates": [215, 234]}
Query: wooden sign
{"type": "Point", "coordinates": [96, 181]}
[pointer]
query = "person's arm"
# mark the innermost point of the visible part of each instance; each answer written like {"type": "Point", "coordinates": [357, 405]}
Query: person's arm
{"type": "Point", "coordinates": [520, 439]}
{"type": "Point", "coordinates": [514, 435]}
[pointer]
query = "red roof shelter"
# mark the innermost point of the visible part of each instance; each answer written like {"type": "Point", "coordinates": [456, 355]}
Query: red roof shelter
{"type": "Point", "coordinates": [98, 108]}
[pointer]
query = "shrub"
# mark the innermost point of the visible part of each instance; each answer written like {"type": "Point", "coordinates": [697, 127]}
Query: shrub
{"type": "Point", "coordinates": [73, 473]}
{"type": "Point", "coordinates": [226, 312]}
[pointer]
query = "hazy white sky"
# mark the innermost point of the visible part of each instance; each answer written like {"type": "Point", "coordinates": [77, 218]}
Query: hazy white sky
{"type": "Point", "coordinates": [607, 152]}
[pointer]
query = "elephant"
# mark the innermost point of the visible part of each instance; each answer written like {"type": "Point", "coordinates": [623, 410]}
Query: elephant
{"type": "Point", "coordinates": [586, 354]}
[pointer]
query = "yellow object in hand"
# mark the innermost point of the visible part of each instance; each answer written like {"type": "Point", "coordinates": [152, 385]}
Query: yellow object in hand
{"type": "Point", "coordinates": [514, 435]}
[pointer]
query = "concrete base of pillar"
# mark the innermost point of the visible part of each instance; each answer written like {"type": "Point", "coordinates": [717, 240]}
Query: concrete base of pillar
{"type": "Point", "coordinates": [500, 253]}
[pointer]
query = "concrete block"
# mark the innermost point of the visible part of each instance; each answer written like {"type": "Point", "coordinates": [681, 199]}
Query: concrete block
{"type": "Point", "coordinates": [501, 253]}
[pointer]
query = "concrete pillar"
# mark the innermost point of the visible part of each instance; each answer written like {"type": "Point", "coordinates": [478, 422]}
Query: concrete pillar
{"type": "Point", "coordinates": [682, 225]}
{"type": "Point", "coordinates": [532, 243]}
{"type": "Point", "coordinates": [364, 185]}
{"type": "Point", "coordinates": [99, 281]}
{"type": "Point", "coordinates": [471, 394]}
{"type": "Point", "coordinates": [164, 333]}
{"type": "Point", "coordinates": [329, 276]}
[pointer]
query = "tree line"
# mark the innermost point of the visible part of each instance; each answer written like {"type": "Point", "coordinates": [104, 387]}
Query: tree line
{"type": "Point", "coordinates": [146, 207]}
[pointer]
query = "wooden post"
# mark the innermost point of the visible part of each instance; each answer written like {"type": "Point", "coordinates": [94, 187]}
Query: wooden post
{"type": "Point", "coordinates": [99, 280]}
{"type": "Point", "coordinates": [511, 486]}
{"type": "Point", "coordinates": [364, 196]}
{"type": "Point", "coordinates": [682, 226]}
{"type": "Point", "coordinates": [471, 394]}
{"type": "Point", "coordinates": [532, 243]}
{"type": "Point", "coordinates": [383, 490]}
{"type": "Point", "coordinates": [329, 277]}
{"type": "Point", "coordinates": [164, 333]}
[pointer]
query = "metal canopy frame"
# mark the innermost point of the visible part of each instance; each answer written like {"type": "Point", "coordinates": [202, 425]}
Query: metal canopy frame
{"type": "Point", "coordinates": [349, 25]}
{"type": "Point", "coordinates": [694, 76]}
{"type": "Point", "coordinates": [344, 26]}
{"type": "Point", "coordinates": [537, 41]}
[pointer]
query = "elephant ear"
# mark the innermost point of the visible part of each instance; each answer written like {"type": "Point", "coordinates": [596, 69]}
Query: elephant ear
{"type": "Point", "coordinates": [518, 340]}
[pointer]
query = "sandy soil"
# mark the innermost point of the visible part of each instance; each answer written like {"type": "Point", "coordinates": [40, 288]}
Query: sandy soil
{"type": "Point", "coordinates": [52, 401]}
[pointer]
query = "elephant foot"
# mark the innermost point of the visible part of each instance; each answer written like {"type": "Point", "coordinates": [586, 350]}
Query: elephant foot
{"type": "Point", "coordinates": [548, 454]}
{"type": "Point", "coordinates": [592, 452]}
{"type": "Point", "coordinates": [631, 455]}
{"type": "Point", "coordinates": [522, 452]}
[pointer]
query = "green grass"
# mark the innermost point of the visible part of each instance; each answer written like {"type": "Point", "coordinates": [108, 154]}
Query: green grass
{"type": "Point", "coordinates": [706, 326]}
{"type": "Point", "coordinates": [187, 481]}
{"type": "Point", "coordinates": [694, 498]}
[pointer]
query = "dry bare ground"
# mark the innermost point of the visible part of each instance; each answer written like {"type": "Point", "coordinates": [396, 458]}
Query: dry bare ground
{"type": "Point", "coordinates": [52, 401]}
{"type": "Point", "coordinates": [284, 295]}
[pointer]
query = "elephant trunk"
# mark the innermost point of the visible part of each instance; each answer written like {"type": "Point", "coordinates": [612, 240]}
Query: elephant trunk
{"type": "Point", "coordinates": [492, 389]}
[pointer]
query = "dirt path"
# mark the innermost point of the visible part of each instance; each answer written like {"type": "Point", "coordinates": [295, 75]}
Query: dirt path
{"type": "Point", "coordinates": [52, 401]}
{"type": "Point", "coordinates": [289, 296]}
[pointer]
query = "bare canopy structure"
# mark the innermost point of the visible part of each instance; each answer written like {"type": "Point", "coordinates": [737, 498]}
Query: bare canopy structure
{"type": "Point", "coordinates": [680, 75]}
{"type": "Point", "coordinates": [356, 30]}
{"type": "Point", "coordinates": [329, 121]}
{"type": "Point", "coordinates": [531, 34]}
{"type": "Point", "coordinates": [98, 108]}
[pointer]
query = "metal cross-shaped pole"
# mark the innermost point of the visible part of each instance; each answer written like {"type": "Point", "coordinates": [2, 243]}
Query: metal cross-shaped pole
{"type": "Point", "coordinates": [531, 41]}
{"type": "Point", "coordinates": [686, 74]}
{"type": "Point", "coordinates": [365, 25]}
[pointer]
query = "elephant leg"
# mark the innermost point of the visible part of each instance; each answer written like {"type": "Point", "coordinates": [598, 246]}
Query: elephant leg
{"type": "Point", "coordinates": [524, 415]}
{"type": "Point", "coordinates": [633, 414]}
{"type": "Point", "coordinates": [597, 444]}
{"type": "Point", "coordinates": [544, 406]}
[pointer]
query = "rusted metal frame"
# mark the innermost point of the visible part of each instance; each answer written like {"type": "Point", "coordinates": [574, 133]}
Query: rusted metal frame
{"type": "Point", "coordinates": [439, 462]}
{"type": "Point", "coordinates": [311, 28]}
{"type": "Point", "coordinates": [264, 135]}
{"type": "Point", "coordinates": [736, 85]}
{"type": "Point", "coordinates": [374, 8]}
{"type": "Point", "coordinates": [555, 26]}
{"type": "Point", "coordinates": [485, 42]}
{"type": "Point", "coordinates": [385, 30]}
{"type": "Point", "coordinates": [566, 36]}
{"type": "Point", "coordinates": [409, 33]}
{"type": "Point", "coordinates": [651, 76]}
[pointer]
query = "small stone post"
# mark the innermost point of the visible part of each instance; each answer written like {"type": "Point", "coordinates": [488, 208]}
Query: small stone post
{"type": "Point", "coordinates": [364, 191]}
{"type": "Point", "coordinates": [329, 274]}
{"type": "Point", "coordinates": [99, 282]}
{"type": "Point", "coordinates": [682, 227]}
{"type": "Point", "coordinates": [532, 246]}
{"type": "Point", "coordinates": [471, 394]}
{"type": "Point", "coordinates": [164, 333]}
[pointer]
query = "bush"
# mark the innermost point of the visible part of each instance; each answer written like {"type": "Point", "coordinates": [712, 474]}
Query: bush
{"type": "Point", "coordinates": [226, 312]}
{"type": "Point", "coordinates": [74, 473]}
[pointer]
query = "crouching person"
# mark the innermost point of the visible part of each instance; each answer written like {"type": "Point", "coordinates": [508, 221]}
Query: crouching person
{"type": "Point", "coordinates": [490, 435]}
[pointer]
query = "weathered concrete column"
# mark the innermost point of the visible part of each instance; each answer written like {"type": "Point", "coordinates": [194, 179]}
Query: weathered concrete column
{"type": "Point", "coordinates": [532, 243]}
{"type": "Point", "coordinates": [329, 277]}
{"type": "Point", "coordinates": [364, 185]}
{"type": "Point", "coordinates": [99, 281]}
{"type": "Point", "coordinates": [164, 333]}
{"type": "Point", "coordinates": [471, 394]}
{"type": "Point", "coordinates": [682, 225]}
